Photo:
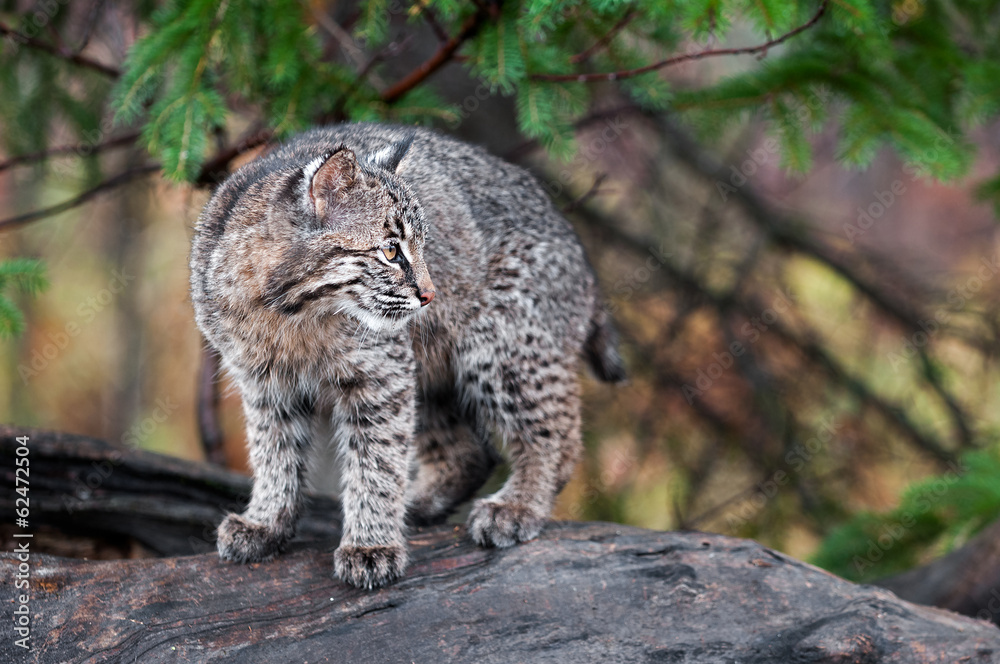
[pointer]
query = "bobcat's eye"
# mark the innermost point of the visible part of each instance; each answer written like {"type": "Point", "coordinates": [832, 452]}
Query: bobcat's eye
{"type": "Point", "coordinates": [392, 253]}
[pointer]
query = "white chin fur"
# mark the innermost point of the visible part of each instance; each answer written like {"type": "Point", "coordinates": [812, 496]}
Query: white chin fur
{"type": "Point", "coordinates": [378, 323]}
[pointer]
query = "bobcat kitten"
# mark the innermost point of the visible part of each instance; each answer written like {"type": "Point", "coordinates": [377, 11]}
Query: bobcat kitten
{"type": "Point", "coordinates": [311, 271]}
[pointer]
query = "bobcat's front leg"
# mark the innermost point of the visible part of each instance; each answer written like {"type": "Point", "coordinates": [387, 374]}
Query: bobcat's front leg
{"type": "Point", "coordinates": [375, 420]}
{"type": "Point", "coordinates": [278, 429]}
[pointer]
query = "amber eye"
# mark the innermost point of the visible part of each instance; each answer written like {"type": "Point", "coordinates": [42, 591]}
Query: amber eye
{"type": "Point", "coordinates": [391, 253]}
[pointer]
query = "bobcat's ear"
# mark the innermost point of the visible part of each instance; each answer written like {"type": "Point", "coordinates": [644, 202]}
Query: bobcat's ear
{"type": "Point", "coordinates": [329, 177]}
{"type": "Point", "coordinates": [388, 158]}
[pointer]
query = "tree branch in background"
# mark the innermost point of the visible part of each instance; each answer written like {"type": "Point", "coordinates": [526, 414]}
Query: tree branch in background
{"type": "Point", "coordinates": [432, 20]}
{"type": "Point", "coordinates": [590, 193]}
{"type": "Point", "coordinates": [88, 29]}
{"type": "Point", "coordinates": [731, 303]}
{"type": "Point", "coordinates": [687, 57]}
{"type": "Point", "coordinates": [605, 39]}
{"type": "Point", "coordinates": [62, 53]}
{"type": "Point", "coordinates": [782, 230]}
{"type": "Point", "coordinates": [960, 420]}
{"type": "Point", "coordinates": [786, 232]}
{"type": "Point", "coordinates": [216, 169]}
{"type": "Point", "coordinates": [76, 201]}
{"type": "Point", "coordinates": [82, 150]}
{"type": "Point", "coordinates": [441, 57]}
{"type": "Point", "coordinates": [362, 63]}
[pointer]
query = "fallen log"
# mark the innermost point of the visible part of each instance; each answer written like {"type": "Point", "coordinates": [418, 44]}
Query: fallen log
{"type": "Point", "coordinates": [581, 592]}
{"type": "Point", "coordinates": [86, 488]}
{"type": "Point", "coordinates": [966, 580]}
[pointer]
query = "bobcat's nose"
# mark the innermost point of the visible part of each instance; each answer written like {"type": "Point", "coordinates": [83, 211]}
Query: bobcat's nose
{"type": "Point", "coordinates": [426, 289]}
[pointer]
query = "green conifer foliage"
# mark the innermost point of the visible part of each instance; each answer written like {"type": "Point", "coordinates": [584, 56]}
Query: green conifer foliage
{"type": "Point", "coordinates": [915, 76]}
{"type": "Point", "coordinates": [17, 275]}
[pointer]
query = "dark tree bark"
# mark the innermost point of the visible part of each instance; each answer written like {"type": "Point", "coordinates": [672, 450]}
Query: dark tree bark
{"type": "Point", "coordinates": [579, 593]}
{"type": "Point", "coordinates": [86, 488]}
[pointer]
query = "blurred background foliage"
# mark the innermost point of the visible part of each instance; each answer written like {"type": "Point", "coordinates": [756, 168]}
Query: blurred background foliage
{"type": "Point", "coordinates": [791, 207]}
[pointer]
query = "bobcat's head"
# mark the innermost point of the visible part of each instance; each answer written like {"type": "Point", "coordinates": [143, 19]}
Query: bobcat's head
{"type": "Point", "coordinates": [345, 236]}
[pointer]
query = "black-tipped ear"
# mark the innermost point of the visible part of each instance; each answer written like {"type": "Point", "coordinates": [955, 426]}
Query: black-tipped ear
{"type": "Point", "coordinates": [388, 158]}
{"type": "Point", "coordinates": [331, 179]}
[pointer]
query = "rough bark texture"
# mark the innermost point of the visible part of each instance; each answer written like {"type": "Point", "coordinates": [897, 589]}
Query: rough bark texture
{"type": "Point", "coordinates": [579, 593]}
{"type": "Point", "coordinates": [85, 488]}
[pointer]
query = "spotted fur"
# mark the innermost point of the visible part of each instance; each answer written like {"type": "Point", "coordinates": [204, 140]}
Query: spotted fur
{"type": "Point", "coordinates": [293, 284]}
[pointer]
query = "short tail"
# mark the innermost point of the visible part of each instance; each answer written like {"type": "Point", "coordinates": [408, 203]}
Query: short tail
{"type": "Point", "coordinates": [601, 348]}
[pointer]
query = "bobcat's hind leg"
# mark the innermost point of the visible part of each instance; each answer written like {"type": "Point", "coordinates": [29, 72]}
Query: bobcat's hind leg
{"type": "Point", "coordinates": [452, 462]}
{"type": "Point", "coordinates": [529, 391]}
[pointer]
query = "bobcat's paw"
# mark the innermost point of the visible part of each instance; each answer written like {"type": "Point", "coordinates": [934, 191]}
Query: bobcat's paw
{"type": "Point", "coordinates": [369, 566]}
{"type": "Point", "coordinates": [503, 524]}
{"type": "Point", "coordinates": [245, 541]}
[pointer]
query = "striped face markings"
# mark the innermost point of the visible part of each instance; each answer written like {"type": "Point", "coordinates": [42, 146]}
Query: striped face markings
{"type": "Point", "coordinates": [394, 252]}
{"type": "Point", "coordinates": [402, 244]}
{"type": "Point", "coordinates": [361, 235]}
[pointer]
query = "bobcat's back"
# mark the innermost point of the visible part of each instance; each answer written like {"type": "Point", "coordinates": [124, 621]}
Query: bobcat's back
{"type": "Point", "coordinates": [493, 237]}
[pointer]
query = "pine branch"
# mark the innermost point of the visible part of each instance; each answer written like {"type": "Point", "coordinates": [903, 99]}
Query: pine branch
{"type": "Point", "coordinates": [81, 150]}
{"type": "Point", "coordinates": [364, 72]}
{"type": "Point", "coordinates": [687, 57]}
{"type": "Point", "coordinates": [605, 39]}
{"type": "Point", "coordinates": [216, 169]}
{"type": "Point", "coordinates": [212, 172]}
{"type": "Point", "coordinates": [432, 20]}
{"type": "Point", "coordinates": [62, 53]}
{"type": "Point", "coordinates": [441, 57]}
{"type": "Point", "coordinates": [88, 30]}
